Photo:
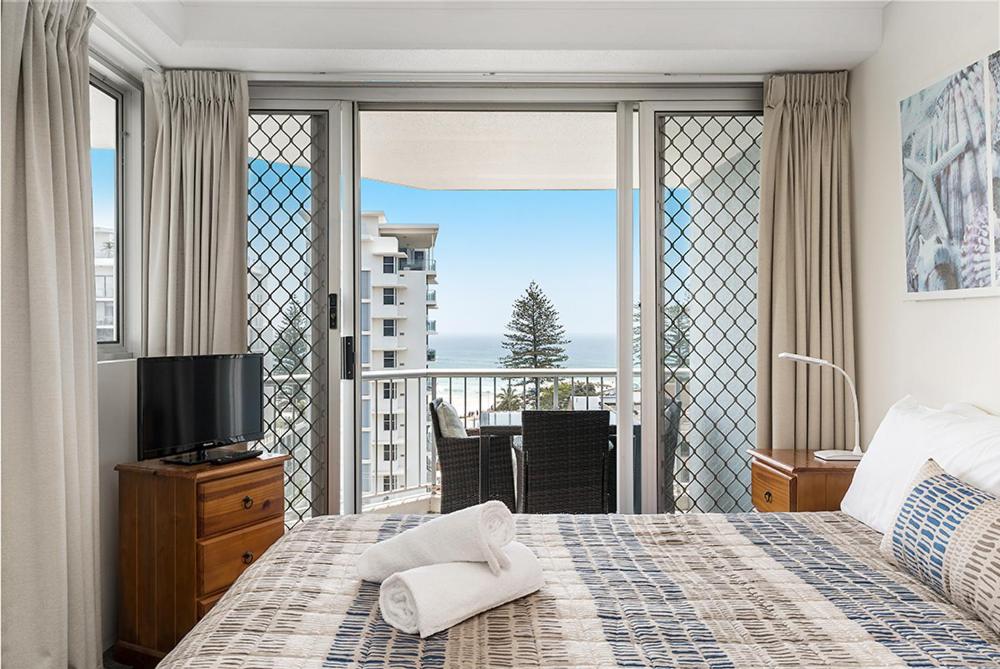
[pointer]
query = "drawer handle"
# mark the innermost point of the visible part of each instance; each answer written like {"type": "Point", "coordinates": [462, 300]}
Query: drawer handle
{"type": "Point", "coordinates": [247, 502]}
{"type": "Point", "coordinates": [247, 557]}
{"type": "Point", "coordinates": [767, 496]}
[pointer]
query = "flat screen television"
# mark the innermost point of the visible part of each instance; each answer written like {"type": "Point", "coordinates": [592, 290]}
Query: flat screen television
{"type": "Point", "coordinates": [196, 402]}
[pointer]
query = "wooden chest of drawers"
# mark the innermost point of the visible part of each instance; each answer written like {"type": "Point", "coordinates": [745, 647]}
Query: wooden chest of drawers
{"type": "Point", "coordinates": [787, 480]}
{"type": "Point", "coordinates": [185, 534]}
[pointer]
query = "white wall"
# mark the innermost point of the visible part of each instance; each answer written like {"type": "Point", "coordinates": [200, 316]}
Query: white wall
{"type": "Point", "coordinates": [940, 350]}
{"type": "Point", "coordinates": [116, 443]}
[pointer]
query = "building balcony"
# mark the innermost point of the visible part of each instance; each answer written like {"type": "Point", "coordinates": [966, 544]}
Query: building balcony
{"type": "Point", "coordinates": [432, 327]}
{"type": "Point", "coordinates": [422, 265]}
{"type": "Point", "coordinates": [432, 298]}
{"type": "Point", "coordinates": [431, 355]}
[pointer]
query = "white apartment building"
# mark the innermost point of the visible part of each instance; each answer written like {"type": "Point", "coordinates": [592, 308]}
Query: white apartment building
{"type": "Point", "coordinates": [398, 274]}
{"type": "Point", "coordinates": [106, 283]}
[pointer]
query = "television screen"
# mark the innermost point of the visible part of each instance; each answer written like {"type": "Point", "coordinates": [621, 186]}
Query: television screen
{"type": "Point", "coordinates": [195, 401]}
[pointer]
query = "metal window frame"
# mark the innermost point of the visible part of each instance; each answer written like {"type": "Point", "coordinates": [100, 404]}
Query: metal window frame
{"type": "Point", "coordinates": [651, 267]}
{"type": "Point", "coordinates": [116, 347]}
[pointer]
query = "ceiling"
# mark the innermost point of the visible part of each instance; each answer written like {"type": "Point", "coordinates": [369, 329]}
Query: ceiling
{"type": "Point", "coordinates": [488, 40]}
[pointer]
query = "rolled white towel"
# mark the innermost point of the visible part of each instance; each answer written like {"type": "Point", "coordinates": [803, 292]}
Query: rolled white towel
{"type": "Point", "coordinates": [474, 534]}
{"type": "Point", "coordinates": [432, 598]}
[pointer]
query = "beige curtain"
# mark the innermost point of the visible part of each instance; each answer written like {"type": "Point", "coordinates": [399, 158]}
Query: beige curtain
{"type": "Point", "coordinates": [805, 295]}
{"type": "Point", "coordinates": [195, 213]}
{"type": "Point", "coordinates": [51, 611]}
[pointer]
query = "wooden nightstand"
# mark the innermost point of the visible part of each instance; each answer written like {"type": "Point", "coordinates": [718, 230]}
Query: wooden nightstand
{"type": "Point", "coordinates": [786, 480]}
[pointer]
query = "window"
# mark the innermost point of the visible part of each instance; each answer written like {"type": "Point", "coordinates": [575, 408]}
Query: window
{"type": "Point", "coordinates": [389, 359]}
{"type": "Point", "coordinates": [366, 284]}
{"type": "Point", "coordinates": [389, 422]}
{"type": "Point", "coordinates": [106, 177]}
{"type": "Point", "coordinates": [389, 391]}
{"type": "Point", "coordinates": [389, 483]}
{"type": "Point", "coordinates": [388, 296]}
{"type": "Point", "coordinates": [366, 316]}
{"type": "Point", "coordinates": [390, 453]}
{"type": "Point", "coordinates": [388, 265]}
{"type": "Point", "coordinates": [366, 349]}
{"type": "Point", "coordinates": [366, 478]}
{"type": "Point", "coordinates": [389, 327]}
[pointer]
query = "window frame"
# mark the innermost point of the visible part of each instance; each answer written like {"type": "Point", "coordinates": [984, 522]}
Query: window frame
{"type": "Point", "coordinates": [389, 327]}
{"type": "Point", "coordinates": [388, 297]}
{"type": "Point", "coordinates": [389, 390]}
{"type": "Point", "coordinates": [116, 81]}
{"type": "Point", "coordinates": [385, 357]}
{"type": "Point", "coordinates": [117, 344]}
{"type": "Point", "coordinates": [388, 265]}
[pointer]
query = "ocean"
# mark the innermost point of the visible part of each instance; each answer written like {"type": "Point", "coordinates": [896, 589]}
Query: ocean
{"type": "Point", "coordinates": [484, 351]}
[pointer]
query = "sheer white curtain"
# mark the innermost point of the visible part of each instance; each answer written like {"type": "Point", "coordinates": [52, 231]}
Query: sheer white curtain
{"type": "Point", "coordinates": [195, 213]}
{"type": "Point", "coordinates": [51, 612]}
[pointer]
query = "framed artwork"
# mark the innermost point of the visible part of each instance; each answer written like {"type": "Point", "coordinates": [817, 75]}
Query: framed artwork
{"type": "Point", "coordinates": [951, 184]}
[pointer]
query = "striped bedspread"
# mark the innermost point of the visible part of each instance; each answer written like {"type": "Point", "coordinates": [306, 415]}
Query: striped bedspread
{"type": "Point", "coordinates": [744, 590]}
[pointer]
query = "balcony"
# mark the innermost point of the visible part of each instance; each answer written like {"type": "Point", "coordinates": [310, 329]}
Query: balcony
{"type": "Point", "coordinates": [432, 327]}
{"type": "Point", "coordinates": [482, 397]}
{"type": "Point", "coordinates": [418, 265]}
{"type": "Point", "coordinates": [431, 355]}
{"type": "Point", "coordinates": [432, 298]}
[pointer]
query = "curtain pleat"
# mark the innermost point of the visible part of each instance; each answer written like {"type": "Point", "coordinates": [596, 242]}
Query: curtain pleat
{"type": "Point", "coordinates": [51, 609]}
{"type": "Point", "coordinates": [805, 297]}
{"type": "Point", "coordinates": [195, 213]}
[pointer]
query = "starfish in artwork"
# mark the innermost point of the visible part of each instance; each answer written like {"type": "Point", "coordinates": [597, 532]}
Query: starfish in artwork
{"type": "Point", "coordinates": [928, 172]}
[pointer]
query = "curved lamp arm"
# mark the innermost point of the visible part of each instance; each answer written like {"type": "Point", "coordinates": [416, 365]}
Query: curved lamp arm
{"type": "Point", "coordinates": [850, 384]}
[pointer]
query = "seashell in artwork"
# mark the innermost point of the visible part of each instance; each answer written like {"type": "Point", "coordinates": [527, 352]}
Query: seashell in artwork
{"type": "Point", "coordinates": [946, 184]}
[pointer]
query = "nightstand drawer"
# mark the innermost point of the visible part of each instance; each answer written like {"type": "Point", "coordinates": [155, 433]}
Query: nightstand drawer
{"type": "Point", "coordinates": [770, 489]}
{"type": "Point", "coordinates": [237, 501]}
{"type": "Point", "coordinates": [222, 559]}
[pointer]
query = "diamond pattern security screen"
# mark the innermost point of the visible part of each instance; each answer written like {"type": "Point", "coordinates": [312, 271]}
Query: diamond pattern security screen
{"type": "Point", "coordinates": [287, 284]}
{"type": "Point", "coordinates": [709, 173]}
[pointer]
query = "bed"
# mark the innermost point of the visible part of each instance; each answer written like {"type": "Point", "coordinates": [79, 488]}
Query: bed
{"type": "Point", "coordinates": [698, 590]}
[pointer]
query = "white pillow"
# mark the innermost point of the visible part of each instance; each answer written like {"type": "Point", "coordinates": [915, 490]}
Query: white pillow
{"type": "Point", "coordinates": [451, 424]}
{"type": "Point", "coordinates": [965, 409]}
{"type": "Point", "coordinates": [909, 436]}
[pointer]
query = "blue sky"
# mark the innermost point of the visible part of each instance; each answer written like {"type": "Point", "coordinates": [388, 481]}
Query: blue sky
{"type": "Point", "coordinates": [492, 244]}
{"type": "Point", "coordinates": [102, 165]}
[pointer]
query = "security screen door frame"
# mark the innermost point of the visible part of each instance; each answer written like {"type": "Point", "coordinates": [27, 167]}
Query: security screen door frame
{"type": "Point", "coordinates": [745, 101]}
{"type": "Point", "coordinates": [338, 215]}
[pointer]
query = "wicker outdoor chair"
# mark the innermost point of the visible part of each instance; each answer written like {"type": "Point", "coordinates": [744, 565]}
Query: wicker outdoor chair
{"type": "Point", "coordinates": [564, 456]}
{"type": "Point", "coordinates": [459, 461]}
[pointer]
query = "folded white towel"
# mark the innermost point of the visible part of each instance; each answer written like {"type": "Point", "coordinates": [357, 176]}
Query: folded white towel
{"type": "Point", "coordinates": [432, 598]}
{"type": "Point", "coordinates": [474, 534]}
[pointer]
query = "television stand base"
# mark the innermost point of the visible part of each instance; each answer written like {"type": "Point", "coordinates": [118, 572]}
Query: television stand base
{"type": "Point", "coordinates": [212, 456]}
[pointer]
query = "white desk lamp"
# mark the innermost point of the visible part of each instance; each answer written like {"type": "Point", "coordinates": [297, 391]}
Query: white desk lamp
{"type": "Point", "coordinates": [834, 454]}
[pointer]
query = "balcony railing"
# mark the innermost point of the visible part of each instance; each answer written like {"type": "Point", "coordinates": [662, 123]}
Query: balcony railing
{"type": "Point", "coordinates": [432, 327]}
{"type": "Point", "coordinates": [481, 397]}
{"type": "Point", "coordinates": [432, 296]}
{"type": "Point", "coordinates": [418, 265]}
{"type": "Point", "coordinates": [431, 355]}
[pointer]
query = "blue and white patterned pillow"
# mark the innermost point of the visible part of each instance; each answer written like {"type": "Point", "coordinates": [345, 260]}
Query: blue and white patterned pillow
{"type": "Point", "coordinates": [947, 534]}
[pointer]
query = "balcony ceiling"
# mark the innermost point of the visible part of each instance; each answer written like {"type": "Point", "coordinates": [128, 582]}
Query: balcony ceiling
{"type": "Point", "coordinates": [490, 150]}
{"type": "Point", "coordinates": [487, 40]}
